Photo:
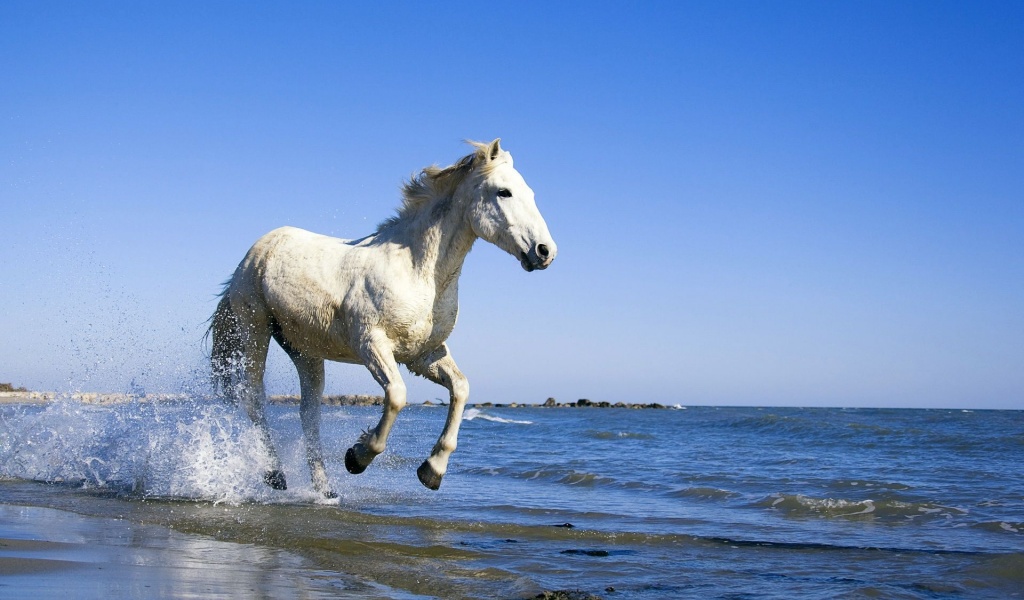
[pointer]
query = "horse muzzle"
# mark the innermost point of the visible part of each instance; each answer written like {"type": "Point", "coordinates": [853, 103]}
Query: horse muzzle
{"type": "Point", "coordinates": [539, 257]}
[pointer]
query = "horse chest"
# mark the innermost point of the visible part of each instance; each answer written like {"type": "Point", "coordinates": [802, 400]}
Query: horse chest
{"type": "Point", "coordinates": [425, 329]}
{"type": "Point", "coordinates": [428, 330]}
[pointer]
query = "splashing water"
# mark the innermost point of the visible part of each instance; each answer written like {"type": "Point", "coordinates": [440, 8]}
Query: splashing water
{"type": "Point", "coordinates": [183, 449]}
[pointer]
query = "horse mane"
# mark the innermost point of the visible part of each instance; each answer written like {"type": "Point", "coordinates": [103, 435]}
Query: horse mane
{"type": "Point", "coordinates": [435, 184]}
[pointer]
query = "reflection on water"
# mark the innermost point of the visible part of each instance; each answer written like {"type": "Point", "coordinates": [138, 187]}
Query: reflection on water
{"type": "Point", "coordinates": [112, 558]}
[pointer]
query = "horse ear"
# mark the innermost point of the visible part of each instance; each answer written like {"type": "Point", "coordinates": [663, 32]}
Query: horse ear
{"type": "Point", "coordinates": [494, 149]}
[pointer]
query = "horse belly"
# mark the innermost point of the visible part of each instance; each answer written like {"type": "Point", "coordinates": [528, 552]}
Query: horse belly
{"type": "Point", "coordinates": [315, 331]}
{"type": "Point", "coordinates": [305, 297]}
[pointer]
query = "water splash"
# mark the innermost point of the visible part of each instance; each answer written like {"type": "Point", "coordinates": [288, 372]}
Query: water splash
{"type": "Point", "coordinates": [186, 449]}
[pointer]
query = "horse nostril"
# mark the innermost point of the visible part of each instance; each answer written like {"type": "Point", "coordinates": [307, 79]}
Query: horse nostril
{"type": "Point", "coordinates": [542, 251]}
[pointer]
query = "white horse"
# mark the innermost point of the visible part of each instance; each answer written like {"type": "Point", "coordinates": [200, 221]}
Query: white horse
{"type": "Point", "coordinates": [385, 299]}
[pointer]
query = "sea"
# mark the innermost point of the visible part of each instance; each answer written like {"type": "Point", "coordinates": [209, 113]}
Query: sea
{"type": "Point", "coordinates": [680, 502]}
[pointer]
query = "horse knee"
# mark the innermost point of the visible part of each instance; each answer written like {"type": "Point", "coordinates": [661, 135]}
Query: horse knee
{"type": "Point", "coordinates": [460, 389]}
{"type": "Point", "coordinates": [395, 396]}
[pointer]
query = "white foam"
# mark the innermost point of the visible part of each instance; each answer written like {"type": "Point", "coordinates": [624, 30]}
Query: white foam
{"type": "Point", "coordinates": [476, 413]}
{"type": "Point", "coordinates": [870, 508]}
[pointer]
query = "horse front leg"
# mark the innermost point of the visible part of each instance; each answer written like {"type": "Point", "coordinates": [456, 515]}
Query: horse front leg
{"type": "Point", "coordinates": [378, 355]}
{"type": "Point", "coordinates": [440, 368]}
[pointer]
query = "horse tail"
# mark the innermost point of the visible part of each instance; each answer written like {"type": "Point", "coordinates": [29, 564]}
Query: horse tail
{"type": "Point", "coordinates": [226, 349]}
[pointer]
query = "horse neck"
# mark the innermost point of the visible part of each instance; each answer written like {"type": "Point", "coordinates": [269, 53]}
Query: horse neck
{"type": "Point", "coordinates": [440, 241]}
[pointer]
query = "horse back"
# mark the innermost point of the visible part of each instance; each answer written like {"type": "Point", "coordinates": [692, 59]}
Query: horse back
{"type": "Point", "coordinates": [323, 295]}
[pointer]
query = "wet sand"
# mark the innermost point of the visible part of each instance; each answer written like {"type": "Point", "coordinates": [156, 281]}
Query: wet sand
{"type": "Point", "coordinates": [47, 553]}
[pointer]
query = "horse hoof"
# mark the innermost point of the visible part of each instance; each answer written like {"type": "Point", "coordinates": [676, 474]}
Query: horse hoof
{"type": "Point", "coordinates": [428, 476]}
{"type": "Point", "coordinates": [352, 464]}
{"type": "Point", "coordinates": [330, 495]}
{"type": "Point", "coordinates": [275, 479]}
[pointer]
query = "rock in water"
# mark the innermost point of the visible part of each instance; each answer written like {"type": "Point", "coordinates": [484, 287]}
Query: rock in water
{"type": "Point", "coordinates": [566, 595]}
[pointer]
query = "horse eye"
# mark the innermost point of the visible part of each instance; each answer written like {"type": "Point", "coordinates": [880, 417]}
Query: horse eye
{"type": "Point", "coordinates": [504, 193]}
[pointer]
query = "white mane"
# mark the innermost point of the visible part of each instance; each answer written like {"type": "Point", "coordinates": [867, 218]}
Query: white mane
{"type": "Point", "coordinates": [435, 184]}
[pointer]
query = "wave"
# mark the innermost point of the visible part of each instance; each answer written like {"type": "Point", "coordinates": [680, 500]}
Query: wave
{"type": "Point", "coordinates": [797, 505]}
{"type": "Point", "coordinates": [704, 493]}
{"type": "Point", "coordinates": [816, 424]}
{"type": "Point", "coordinates": [869, 485]}
{"type": "Point", "coordinates": [566, 476]}
{"type": "Point", "coordinates": [475, 413]}
{"type": "Point", "coordinates": [1002, 526]}
{"type": "Point", "coordinates": [798, 427]}
{"type": "Point", "coordinates": [569, 477]}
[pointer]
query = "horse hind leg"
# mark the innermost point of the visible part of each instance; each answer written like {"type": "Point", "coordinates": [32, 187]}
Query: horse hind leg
{"type": "Point", "coordinates": [440, 368]}
{"type": "Point", "coordinates": [239, 357]}
{"type": "Point", "coordinates": [254, 401]}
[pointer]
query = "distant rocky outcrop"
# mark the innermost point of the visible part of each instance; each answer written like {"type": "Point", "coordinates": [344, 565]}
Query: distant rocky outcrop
{"type": "Point", "coordinates": [12, 395]}
{"type": "Point", "coordinates": [581, 403]}
{"type": "Point", "coordinates": [338, 400]}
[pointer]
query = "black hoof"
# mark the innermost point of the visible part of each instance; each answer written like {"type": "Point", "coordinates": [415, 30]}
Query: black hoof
{"type": "Point", "coordinates": [352, 464]}
{"type": "Point", "coordinates": [275, 479]}
{"type": "Point", "coordinates": [428, 477]}
{"type": "Point", "coordinates": [330, 495]}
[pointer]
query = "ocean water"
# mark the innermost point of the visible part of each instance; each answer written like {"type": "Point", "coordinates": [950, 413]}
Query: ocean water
{"type": "Point", "coordinates": [696, 502]}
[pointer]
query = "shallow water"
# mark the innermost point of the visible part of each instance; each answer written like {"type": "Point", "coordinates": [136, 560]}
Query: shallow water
{"type": "Point", "coordinates": [708, 502]}
{"type": "Point", "coordinates": [47, 553]}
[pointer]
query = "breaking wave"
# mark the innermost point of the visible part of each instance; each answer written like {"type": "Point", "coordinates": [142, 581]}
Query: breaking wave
{"type": "Point", "coordinates": [476, 413]}
{"type": "Point", "coordinates": [796, 505]}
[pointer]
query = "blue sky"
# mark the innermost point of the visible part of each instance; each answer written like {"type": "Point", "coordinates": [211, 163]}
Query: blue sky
{"type": "Point", "coordinates": [774, 203]}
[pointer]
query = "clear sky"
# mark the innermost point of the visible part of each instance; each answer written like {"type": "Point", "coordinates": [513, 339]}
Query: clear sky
{"type": "Point", "coordinates": [758, 203]}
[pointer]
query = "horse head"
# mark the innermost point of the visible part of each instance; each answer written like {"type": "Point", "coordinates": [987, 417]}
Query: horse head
{"type": "Point", "coordinates": [502, 209]}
